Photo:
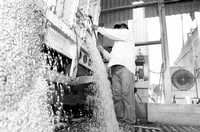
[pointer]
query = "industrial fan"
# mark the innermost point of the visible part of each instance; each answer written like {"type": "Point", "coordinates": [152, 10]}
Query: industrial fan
{"type": "Point", "coordinates": [182, 79]}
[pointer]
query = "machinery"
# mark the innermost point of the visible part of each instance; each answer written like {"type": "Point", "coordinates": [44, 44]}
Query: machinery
{"type": "Point", "coordinates": [67, 23]}
{"type": "Point", "coordinates": [68, 61]}
{"type": "Point", "coordinates": [182, 79]}
{"type": "Point", "coordinates": [183, 84]}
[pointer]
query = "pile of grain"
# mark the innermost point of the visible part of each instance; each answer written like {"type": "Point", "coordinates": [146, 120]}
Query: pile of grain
{"type": "Point", "coordinates": [23, 101]}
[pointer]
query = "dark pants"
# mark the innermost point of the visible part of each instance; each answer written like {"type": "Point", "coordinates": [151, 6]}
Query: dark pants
{"type": "Point", "coordinates": [123, 93]}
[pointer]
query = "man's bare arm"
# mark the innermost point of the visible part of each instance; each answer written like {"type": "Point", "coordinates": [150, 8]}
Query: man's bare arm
{"type": "Point", "coordinates": [114, 34]}
{"type": "Point", "coordinates": [105, 54]}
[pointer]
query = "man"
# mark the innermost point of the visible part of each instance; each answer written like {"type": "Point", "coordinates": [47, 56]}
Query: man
{"type": "Point", "coordinates": [122, 65]}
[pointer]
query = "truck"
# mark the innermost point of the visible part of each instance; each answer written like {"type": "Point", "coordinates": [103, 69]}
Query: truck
{"type": "Point", "coordinates": [73, 60]}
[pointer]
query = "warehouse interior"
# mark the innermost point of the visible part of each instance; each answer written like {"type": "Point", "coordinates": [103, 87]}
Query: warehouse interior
{"type": "Point", "coordinates": [62, 68]}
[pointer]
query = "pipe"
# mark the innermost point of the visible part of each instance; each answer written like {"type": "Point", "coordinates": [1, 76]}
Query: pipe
{"type": "Point", "coordinates": [148, 43]}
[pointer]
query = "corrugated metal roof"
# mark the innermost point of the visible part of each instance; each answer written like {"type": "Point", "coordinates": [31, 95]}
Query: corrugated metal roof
{"type": "Point", "coordinates": [175, 8]}
{"type": "Point", "coordinates": [109, 18]}
{"type": "Point", "coordinates": [112, 17]}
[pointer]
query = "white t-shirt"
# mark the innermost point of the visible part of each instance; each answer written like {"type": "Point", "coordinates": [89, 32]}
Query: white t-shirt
{"type": "Point", "coordinates": [123, 50]}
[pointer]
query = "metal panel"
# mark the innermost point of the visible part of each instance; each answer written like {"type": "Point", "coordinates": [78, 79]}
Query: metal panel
{"type": "Point", "coordinates": [110, 18]}
{"type": "Point", "coordinates": [182, 114]}
{"type": "Point", "coordinates": [173, 9]}
{"type": "Point", "coordinates": [63, 45]}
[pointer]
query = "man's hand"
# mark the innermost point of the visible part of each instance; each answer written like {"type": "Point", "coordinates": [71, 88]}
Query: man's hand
{"type": "Point", "coordinates": [100, 48]}
{"type": "Point", "coordinates": [105, 54]}
{"type": "Point", "coordinates": [94, 27]}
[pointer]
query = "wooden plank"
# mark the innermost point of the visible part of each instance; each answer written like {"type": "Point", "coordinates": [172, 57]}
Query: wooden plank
{"type": "Point", "coordinates": [166, 80]}
{"type": "Point", "coordinates": [186, 114]}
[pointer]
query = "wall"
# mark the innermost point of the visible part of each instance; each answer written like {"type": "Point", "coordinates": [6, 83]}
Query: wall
{"type": "Point", "coordinates": [174, 114]}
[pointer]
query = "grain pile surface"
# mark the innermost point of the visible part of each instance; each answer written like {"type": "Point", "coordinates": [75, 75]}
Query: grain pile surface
{"type": "Point", "coordinates": [23, 100]}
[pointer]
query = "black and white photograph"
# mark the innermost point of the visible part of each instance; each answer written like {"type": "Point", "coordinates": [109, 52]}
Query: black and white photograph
{"type": "Point", "coordinates": [99, 65]}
